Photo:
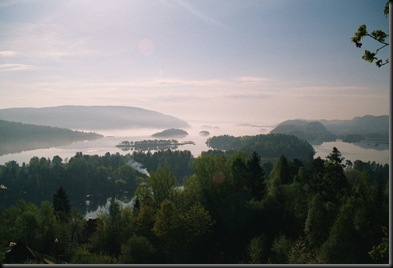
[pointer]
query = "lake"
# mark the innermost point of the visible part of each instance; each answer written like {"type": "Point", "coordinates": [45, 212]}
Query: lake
{"type": "Point", "coordinates": [111, 138]}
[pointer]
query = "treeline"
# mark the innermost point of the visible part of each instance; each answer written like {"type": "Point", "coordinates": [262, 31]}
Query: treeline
{"type": "Point", "coordinates": [98, 177]}
{"type": "Point", "coordinates": [228, 210]}
{"type": "Point", "coordinates": [152, 145]}
{"type": "Point", "coordinates": [16, 137]}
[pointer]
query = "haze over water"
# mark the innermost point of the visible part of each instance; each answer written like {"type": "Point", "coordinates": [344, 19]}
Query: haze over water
{"type": "Point", "coordinates": [113, 137]}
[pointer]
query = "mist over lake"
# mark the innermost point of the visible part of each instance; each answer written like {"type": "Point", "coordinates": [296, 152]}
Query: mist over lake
{"type": "Point", "coordinates": [112, 137]}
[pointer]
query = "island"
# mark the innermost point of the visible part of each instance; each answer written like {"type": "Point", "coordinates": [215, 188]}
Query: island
{"type": "Point", "coordinates": [204, 133]}
{"type": "Point", "coordinates": [172, 132]}
{"type": "Point", "coordinates": [152, 145]}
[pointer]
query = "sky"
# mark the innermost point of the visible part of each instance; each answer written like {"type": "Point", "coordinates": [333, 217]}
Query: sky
{"type": "Point", "coordinates": [245, 61]}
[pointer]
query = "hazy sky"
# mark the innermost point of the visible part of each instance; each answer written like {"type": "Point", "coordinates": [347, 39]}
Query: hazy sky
{"type": "Point", "coordinates": [248, 61]}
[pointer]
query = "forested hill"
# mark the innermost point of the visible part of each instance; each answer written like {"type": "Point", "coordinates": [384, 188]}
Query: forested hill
{"type": "Point", "coordinates": [92, 117]}
{"type": "Point", "coordinates": [314, 132]}
{"type": "Point", "coordinates": [269, 146]}
{"type": "Point", "coordinates": [16, 137]}
{"type": "Point", "coordinates": [369, 128]}
{"type": "Point", "coordinates": [367, 124]}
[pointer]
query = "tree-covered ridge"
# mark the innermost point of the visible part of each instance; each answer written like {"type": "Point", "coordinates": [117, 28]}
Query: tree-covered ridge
{"type": "Point", "coordinates": [268, 146]}
{"type": "Point", "coordinates": [231, 208]}
{"type": "Point", "coordinates": [314, 131]}
{"type": "Point", "coordinates": [369, 128]}
{"type": "Point", "coordinates": [15, 137]}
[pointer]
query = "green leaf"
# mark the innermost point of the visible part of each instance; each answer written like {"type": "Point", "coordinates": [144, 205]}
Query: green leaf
{"type": "Point", "coordinates": [369, 56]}
{"type": "Point", "coordinates": [379, 35]}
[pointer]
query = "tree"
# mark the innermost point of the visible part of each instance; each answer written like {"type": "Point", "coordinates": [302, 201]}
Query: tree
{"type": "Point", "coordinates": [138, 249]}
{"type": "Point", "coordinates": [334, 184]}
{"type": "Point", "coordinates": [342, 243]}
{"type": "Point", "coordinates": [377, 35]}
{"type": "Point", "coordinates": [279, 174]}
{"type": "Point", "coordinates": [61, 204]}
{"type": "Point", "coordinates": [167, 229]}
{"type": "Point", "coordinates": [110, 233]}
{"type": "Point", "coordinates": [162, 184]}
{"type": "Point", "coordinates": [257, 181]}
{"type": "Point", "coordinates": [198, 226]}
{"type": "Point", "coordinates": [380, 252]}
{"type": "Point", "coordinates": [317, 224]}
{"type": "Point", "coordinates": [281, 247]}
{"type": "Point", "coordinates": [303, 253]}
{"type": "Point", "coordinates": [256, 249]}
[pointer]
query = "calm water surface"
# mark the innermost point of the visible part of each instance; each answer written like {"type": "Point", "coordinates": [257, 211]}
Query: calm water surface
{"type": "Point", "coordinates": [101, 146]}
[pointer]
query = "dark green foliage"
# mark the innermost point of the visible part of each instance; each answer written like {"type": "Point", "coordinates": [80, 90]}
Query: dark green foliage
{"type": "Point", "coordinates": [180, 162]}
{"type": "Point", "coordinates": [279, 174]}
{"type": "Point", "coordinates": [380, 252]}
{"type": "Point", "coordinates": [257, 251]}
{"type": "Point", "coordinates": [313, 212]}
{"type": "Point", "coordinates": [256, 178]}
{"type": "Point", "coordinates": [342, 243]}
{"type": "Point", "coordinates": [280, 249]}
{"type": "Point", "coordinates": [61, 204]}
{"type": "Point", "coordinates": [138, 250]}
{"type": "Point", "coordinates": [269, 146]}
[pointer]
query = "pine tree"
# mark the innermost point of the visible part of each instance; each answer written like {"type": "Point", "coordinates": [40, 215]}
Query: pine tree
{"type": "Point", "coordinates": [61, 204]}
{"type": "Point", "coordinates": [257, 181]}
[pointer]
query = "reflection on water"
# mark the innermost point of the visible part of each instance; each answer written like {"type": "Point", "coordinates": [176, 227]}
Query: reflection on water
{"type": "Point", "coordinates": [353, 152]}
{"type": "Point", "coordinates": [113, 138]}
{"type": "Point", "coordinates": [108, 144]}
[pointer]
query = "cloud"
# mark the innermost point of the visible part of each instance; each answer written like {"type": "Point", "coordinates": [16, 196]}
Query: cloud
{"type": "Point", "coordinates": [7, 53]}
{"type": "Point", "coordinates": [177, 82]}
{"type": "Point", "coordinates": [251, 80]}
{"type": "Point", "coordinates": [15, 67]}
{"type": "Point", "coordinates": [326, 91]}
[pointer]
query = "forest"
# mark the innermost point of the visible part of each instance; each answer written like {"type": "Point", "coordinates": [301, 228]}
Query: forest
{"type": "Point", "coordinates": [268, 146]}
{"type": "Point", "coordinates": [222, 207]}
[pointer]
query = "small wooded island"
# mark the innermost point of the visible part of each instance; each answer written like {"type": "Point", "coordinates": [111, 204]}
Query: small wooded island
{"type": "Point", "coordinates": [172, 132]}
{"type": "Point", "coordinates": [204, 133]}
{"type": "Point", "coordinates": [147, 145]}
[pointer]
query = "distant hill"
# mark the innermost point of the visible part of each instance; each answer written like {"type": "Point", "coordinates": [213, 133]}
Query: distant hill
{"type": "Point", "coordinates": [17, 137]}
{"type": "Point", "coordinates": [367, 124]}
{"type": "Point", "coordinates": [359, 129]}
{"type": "Point", "coordinates": [92, 117]}
{"type": "Point", "coordinates": [314, 132]}
{"type": "Point", "coordinates": [168, 133]}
